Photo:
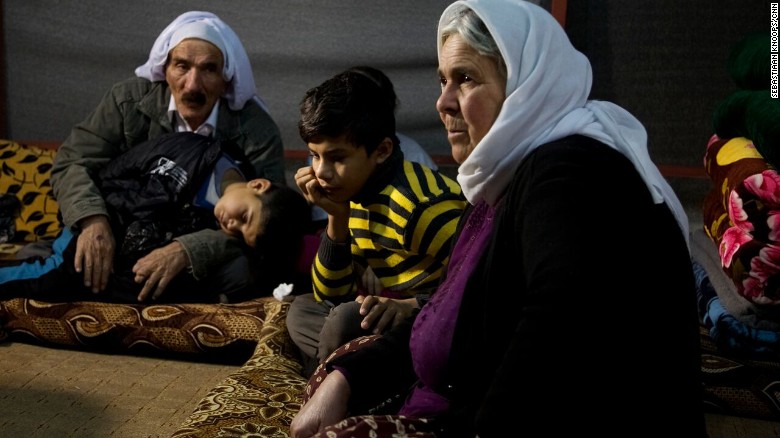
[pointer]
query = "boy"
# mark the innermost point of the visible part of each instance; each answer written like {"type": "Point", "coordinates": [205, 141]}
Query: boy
{"type": "Point", "coordinates": [388, 216]}
{"type": "Point", "coordinates": [164, 188]}
{"type": "Point", "coordinates": [412, 150]}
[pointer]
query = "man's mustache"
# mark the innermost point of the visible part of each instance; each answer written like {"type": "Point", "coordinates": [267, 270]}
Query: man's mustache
{"type": "Point", "coordinates": [194, 98]}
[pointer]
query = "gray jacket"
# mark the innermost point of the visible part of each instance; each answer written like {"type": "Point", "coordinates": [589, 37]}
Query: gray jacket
{"type": "Point", "coordinates": [133, 111]}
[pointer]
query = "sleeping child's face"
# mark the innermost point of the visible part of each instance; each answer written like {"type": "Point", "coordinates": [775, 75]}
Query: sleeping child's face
{"type": "Point", "coordinates": [239, 210]}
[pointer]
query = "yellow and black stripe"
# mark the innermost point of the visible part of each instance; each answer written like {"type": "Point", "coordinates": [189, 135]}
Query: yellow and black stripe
{"type": "Point", "coordinates": [403, 233]}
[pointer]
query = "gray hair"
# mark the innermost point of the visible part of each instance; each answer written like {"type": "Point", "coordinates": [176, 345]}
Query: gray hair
{"type": "Point", "coordinates": [462, 20]}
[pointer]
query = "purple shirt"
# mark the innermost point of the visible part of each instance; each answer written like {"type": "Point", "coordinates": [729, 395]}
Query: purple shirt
{"type": "Point", "coordinates": [433, 329]}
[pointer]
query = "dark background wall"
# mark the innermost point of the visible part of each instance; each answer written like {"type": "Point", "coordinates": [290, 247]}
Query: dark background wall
{"type": "Point", "coordinates": [63, 55]}
{"type": "Point", "coordinates": [663, 60]}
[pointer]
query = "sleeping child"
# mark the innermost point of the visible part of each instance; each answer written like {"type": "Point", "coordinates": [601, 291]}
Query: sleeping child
{"type": "Point", "coordinates": [165, 188]}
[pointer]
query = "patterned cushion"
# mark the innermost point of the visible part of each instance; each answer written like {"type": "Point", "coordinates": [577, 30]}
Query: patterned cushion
{"type": "Point", "coordinates": [24, 172]}
{"type": "Point", "coordinates": [260, 399]}
{"type": "Point", "coordinates": [206, 332]}
{"type": "Point", "coordinates": [739, 386]}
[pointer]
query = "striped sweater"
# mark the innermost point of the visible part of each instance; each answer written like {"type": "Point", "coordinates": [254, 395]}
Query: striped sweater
{"type": "Point", "coordinates": [401, 226]}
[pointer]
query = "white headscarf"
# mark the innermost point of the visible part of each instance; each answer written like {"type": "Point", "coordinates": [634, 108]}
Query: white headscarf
{"type": "Point", "coordinates": [548, 83]}
{"type": "Point", "coordinates": [208, 27]}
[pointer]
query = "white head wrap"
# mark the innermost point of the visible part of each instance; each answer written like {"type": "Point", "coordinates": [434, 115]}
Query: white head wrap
{"type": "Point", "coordinates": [548, 83]}
{"type": "Point", "coordinates": [206, 26]}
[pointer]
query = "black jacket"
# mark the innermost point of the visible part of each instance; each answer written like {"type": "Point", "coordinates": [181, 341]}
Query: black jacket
{"type": "Point", "coordinates": [149, 191]}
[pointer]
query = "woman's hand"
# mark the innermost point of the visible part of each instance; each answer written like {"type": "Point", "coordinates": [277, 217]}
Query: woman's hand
{"type": "Point", "coordinates": [382, 313]}
{"type": "Point", "coordinates": [327, 406]}
{"type": "Point", "coordinates": [95, 252]}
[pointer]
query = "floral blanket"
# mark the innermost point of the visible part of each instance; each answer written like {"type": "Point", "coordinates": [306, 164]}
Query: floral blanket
{"type": "Point", "coordinates": [741, 215]}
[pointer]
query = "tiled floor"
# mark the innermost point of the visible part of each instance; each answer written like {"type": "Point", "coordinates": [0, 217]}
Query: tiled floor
{"type": "Point", "coordinates": [52, 393]}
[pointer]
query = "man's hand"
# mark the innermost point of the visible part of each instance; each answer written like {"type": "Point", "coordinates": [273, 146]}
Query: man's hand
{"type": "Point", "coordinates": [381, 312]}
{"type": "Point", "coordinates": [95, 252]}
{"type": "Point", "coordinates": [158, 268]}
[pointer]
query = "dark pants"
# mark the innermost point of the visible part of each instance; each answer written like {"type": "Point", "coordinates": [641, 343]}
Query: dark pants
{"type": "Point", "coordinates": [319, 328]}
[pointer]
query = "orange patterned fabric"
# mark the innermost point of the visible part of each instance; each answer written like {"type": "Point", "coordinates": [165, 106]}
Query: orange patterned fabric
{"type": "Point", "coordinates": [25, 172]}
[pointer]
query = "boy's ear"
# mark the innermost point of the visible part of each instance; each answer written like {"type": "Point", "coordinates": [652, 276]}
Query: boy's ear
{"type": "Point", "coordinates": [384, 150]}
{"type": "Point", "coordinates": [259, 185]}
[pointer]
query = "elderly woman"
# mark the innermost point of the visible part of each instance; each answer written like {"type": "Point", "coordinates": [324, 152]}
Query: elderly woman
{"type": "Point", "coordinates": [568, 306]}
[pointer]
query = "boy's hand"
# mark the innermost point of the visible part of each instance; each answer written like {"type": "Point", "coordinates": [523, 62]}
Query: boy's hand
{"type": "Point", "coordinates": [313, 192]}
{"type": "Point", "coordinates": [382, 313]}
{"type": "Point", "coordinates": [370, 282]}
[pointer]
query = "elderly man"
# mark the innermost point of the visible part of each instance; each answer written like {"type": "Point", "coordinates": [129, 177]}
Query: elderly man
{"type": "Point", "coordinates": [198, 78]}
